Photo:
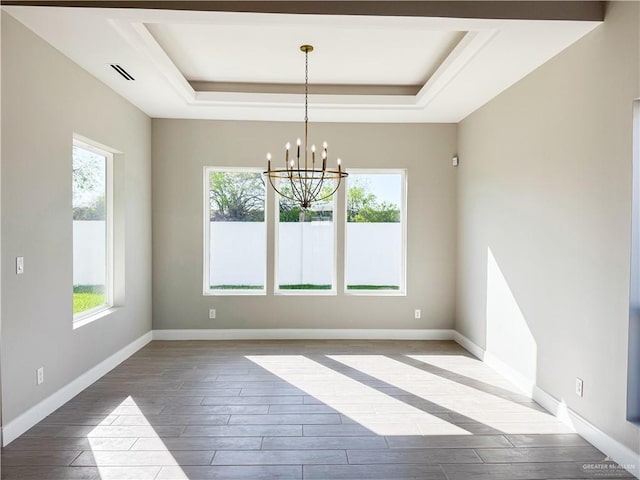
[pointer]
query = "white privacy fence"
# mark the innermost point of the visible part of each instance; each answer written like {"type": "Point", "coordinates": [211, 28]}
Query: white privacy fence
{"type": "Point", "coordinates": [89, 249]}
{"type": "Point", "coordinates": [305, 253]}
{"type": "Point", "coordinates": [238, 253]}
{"type": "Point", "coordinates": [373, 254]}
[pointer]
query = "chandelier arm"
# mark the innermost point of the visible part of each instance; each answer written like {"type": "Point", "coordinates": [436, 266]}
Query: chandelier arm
{"type": "Point", "coordinates": [318, 187]}
{"type": "Point", "coordinates": [278, 191]}
{"type": "Point", "coordinates": [296, 191]}
{"type": "Point", "coordinates": [340, 175]}
{"type": "Point", "coordinates": [331, 194]}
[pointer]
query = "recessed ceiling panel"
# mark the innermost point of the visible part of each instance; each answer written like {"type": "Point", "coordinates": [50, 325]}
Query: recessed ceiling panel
{"type": "Point", "coordinates": [343, 54]}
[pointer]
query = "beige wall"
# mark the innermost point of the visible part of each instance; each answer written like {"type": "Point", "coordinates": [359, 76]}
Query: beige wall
{"type": "Point", "coordinates": [182, 147]}
{"type": "Point", "coordinates": [45, 100]}
{"type": "Point", "coordinates": [544, 210]}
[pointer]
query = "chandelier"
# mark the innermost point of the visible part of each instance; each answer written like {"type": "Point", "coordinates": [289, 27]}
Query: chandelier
{"type": "Point", "coordinates": [301, 180]}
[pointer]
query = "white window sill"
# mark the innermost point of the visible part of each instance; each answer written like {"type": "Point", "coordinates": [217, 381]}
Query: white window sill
{"type": "Point", "coordinates": [92, 317]}
{"type": "Point", "coordinates": [303, 293]}
{"type": "Point", "coordinates": [256, 293]}
{"type": "Point", "coordinates": [375, 293]}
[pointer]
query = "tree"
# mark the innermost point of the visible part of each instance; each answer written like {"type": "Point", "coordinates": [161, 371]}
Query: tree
{"type": "Point", "coordinates": [236, 196]}
{"type": "Point", "coordinates": [89, 174]}
{"type": "Point", "coordinates": [378, 212]}
{"type": "Point", "coordinates": [93, 212]}
{"type": "Point", "coordinates": [363, 206]}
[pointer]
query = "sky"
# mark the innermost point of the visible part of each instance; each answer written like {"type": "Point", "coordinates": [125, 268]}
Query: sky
{"type": "Point", "coordinates": [387, 187]}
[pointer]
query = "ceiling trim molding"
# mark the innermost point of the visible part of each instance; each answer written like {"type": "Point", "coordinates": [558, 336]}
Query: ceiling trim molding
{"type": "Point", "coordinates": [453, 64]}
{"type": "Point", "coordinates": [140, 38]}
{"type": "Point", "coordinates": [138, 35]}
{"type": "Point", "coordinates": [486, 57]}
{"type": "Point", "coordinates": [507, 10]}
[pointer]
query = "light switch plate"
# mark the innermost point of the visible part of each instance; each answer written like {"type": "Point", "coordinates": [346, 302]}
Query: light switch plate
{"type": "Point", "coordinates": [579, 387]}
{"type": "Point", "coordinates": [19, 265]}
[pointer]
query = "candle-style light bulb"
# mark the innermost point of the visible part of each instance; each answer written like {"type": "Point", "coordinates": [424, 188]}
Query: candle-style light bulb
{"type": "Point", "coordinates": [339, 165]}
{"type": "Point", "coordinates": [298, 142]}
{"type": "Point", "coordinates": [339, 161]}
{"type": "Point", "coordinates": [324, 145]}
{"type": "Point", "coordinates": [313, 154]}
{"type": "Point", "coordinates": [268, 156]}
{"type": "Point", "coordinates": [291, 163]}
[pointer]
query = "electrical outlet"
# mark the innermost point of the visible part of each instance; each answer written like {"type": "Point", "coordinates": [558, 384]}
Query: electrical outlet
{"type": "Point", "coordinates": [19, 265]}
{"type": "Point", "coordinates": [40, 376]}
{"type": "Point", "coordinates": [212, 313]}
{"type": "Point", "coordinates": [417, 313]}
{"type": "Point", "coordinates": [579, 387]}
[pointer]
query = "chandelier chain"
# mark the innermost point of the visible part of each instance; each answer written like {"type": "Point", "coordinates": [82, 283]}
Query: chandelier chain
{"type": "Point", "coordinates": [306, 85]}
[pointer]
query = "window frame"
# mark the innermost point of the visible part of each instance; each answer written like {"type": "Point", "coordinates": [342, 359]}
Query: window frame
{"type": "Point", "coordinates": [87, 316]}
{"type": "Point", "coordinates": [633, 352]}
{"type": "Point", "coordinates": [402, 291]}
{"type": "Point", "coordinates": [333, 291]}
{"type": "Point", "coordinates": [206, 264]}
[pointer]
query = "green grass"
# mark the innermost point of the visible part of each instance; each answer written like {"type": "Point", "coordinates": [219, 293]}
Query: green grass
{"type": "Point", "coordinates": [373, 287]}
{"type": "Point", "coordinates": [86, 297]}
{"type": "Point", "coordinates": [237, 287]}
{"type": "Point", "coordinates": [305, 286]}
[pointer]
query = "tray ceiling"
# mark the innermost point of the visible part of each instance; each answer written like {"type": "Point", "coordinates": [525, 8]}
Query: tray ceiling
{"type": "Point", "coordinates": [247, 66]}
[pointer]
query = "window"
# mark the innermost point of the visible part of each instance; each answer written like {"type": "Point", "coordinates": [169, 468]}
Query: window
{"type": "Point", "coordinates": [633, 365]}
{"type": "Point", "coordinates": [92, 230]}
{"type": "Point", "coordinates": [306, 248]}
{"type": "Point", "coordinates": [235, 232]}
{"type": "Point", "coordinates": [375, 232]}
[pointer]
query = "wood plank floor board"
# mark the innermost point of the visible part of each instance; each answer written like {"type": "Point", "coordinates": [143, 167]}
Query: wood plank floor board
{"type": "Point", "coordinates": [294, 410]}
{"type": "Point", "coordinates": [529, 471]}
{"type": "Point", "coordinates": [541, 454]}
{"type": "Point", "coordinates": [243, 472]}
{"type": "Point", "coordinates": [174, 444]}
{"type": "Point", "coordinates": [79, 473]}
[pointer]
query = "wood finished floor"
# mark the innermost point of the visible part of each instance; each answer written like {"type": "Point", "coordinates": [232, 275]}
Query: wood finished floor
{"type": "Point", "coordinates": [302, 410]}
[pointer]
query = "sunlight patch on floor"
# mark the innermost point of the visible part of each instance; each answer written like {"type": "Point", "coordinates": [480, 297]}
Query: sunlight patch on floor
{"type": "Point", "coordinates": [466, 404]}
{"type": "Point", "coordinates": [114, 464]}
{"type": "Point", "coordinates": [364, 405]}
{"type": "Point", "coordinates": [468, 367]}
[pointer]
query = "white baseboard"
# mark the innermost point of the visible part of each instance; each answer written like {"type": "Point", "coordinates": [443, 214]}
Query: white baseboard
{"type": "Point", "coordinates": [303, 334]}
{"type": "Point", "coordinates": [468, 345]}
{"type": "Point", "coordinates": [28, 419]}
{"type": "Point", "coordinates": [616, 451]}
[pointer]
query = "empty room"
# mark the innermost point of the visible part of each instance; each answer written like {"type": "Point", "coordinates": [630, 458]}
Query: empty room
{"type": "Point", "coordinates": [320, 240]}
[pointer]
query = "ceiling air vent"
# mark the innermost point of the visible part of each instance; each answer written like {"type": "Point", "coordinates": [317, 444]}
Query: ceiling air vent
{"type": "Point", "coordinates": [122, 71]}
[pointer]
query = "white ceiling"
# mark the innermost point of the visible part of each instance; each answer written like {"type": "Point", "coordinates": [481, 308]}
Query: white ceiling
{"type": "Point", "coordinates": [267, 51]}
{"type": "Point", "coordinates": [455, 65]}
